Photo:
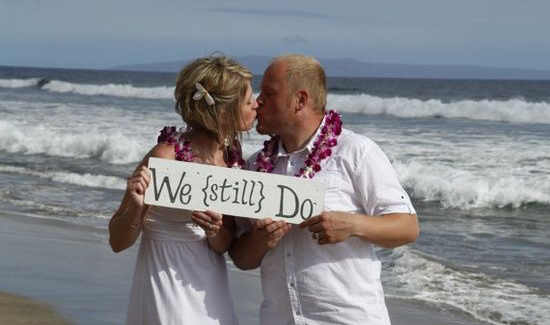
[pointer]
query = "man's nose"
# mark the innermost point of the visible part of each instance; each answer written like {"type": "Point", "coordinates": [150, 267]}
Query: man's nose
{"type": "Point", "coordinates": [260, 100]}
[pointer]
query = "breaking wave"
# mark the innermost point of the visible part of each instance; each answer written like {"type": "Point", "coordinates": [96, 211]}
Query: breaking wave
{"type": "Point", "coordinates": [485, 297]}
{"type": "Point", "coordinates": [117, 90]}
{"type": "Point", "coordinates": [87, 179]}
{"type": "Point", "coordinates": [513, 110]}
{"type": "Point", "coordinates": [454, 188]}
{"type": "Point", "coordinates": [113, 148]}
{"type": "Point", "coordinates": [19, 83]}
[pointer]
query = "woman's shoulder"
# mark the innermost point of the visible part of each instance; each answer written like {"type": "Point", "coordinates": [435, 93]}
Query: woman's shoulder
{"type": "Point", "coordinates": [167, 140]}
{"type": "Point", "coordinates": [163, 150]}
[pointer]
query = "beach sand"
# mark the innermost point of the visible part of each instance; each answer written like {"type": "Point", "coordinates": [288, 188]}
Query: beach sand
{"type": "Point", "coordinates": [16, 310]}
{"type": "Point", "coordinates": [72, 269]}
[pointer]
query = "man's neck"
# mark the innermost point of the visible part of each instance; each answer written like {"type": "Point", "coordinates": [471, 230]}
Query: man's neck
{"type": "Point", "coordinates": [302, 133]}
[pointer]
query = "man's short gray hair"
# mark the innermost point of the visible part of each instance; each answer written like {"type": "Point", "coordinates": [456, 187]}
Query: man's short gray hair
{"type": "Point", "coordinates": [305, 72]}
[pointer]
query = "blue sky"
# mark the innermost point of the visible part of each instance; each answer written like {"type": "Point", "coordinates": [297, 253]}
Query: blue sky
{"type": "Point", "coordinates": [106, 33]}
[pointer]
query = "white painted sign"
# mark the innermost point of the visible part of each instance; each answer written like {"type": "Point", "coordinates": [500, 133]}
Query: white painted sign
{"type": "Point", "coordinates": [236, 192]}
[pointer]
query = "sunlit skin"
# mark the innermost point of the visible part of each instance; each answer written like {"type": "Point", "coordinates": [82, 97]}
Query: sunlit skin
{"type": "Point", "coordinates": [294, 118]}
{"type": "Point", "coordinates": [248, 110]}
{"type": "Point", "coordinates": [218, 228]}
{"type": "Point", "coordinates": [273, 102]}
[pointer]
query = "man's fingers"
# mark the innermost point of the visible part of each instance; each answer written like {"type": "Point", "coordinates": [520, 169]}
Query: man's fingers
{"type": "Point", "coordinates": [274, 226]}
{"type": "Point", "coordinates": [323, 241]}
{"type": "Point", "coordinates": [310, 221]}
{"type": "Point", "coordinates": [316, 227]}
{"type": "Point", "coordinates": [262, 223]}
{"type": "Point", "coordinates": [322, 235]}
{"type": "Point", "coordinates": [277, 234]}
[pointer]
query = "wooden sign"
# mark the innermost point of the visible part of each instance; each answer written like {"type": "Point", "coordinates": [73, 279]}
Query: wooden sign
{"type": "Point", "coordinates": [236, 192]}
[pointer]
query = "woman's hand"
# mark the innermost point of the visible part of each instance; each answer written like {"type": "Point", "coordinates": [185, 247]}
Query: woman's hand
{"type": "Point", "coordinates": [208, 220]}
{"type": "Point", "coordinates": [137, 184]}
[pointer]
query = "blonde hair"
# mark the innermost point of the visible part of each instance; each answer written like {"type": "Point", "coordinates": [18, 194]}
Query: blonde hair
{"type": "Point", "coordinates": [305, 71]}
{"type": "Point", "coordinates": [226, 81]}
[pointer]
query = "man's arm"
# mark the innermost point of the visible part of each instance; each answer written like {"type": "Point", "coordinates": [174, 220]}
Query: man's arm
{"type": "Point", "coordinates": [388, 230]}
{"type": "Point", "coordinates": [248, 250]}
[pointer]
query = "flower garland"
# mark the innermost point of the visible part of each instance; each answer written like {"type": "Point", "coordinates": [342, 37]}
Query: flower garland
{"type": "Point", "coordinates": [321, 148]}
{"type": "Point", "coordinates": [183, 150]}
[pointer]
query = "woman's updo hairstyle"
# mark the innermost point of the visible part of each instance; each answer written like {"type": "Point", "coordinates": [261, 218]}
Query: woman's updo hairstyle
{"type": "Point", "coordinates": [225, 80]}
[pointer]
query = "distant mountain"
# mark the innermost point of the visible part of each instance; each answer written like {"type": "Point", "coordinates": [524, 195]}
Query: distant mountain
{"type": "Point", "coordinates": [355, 68]}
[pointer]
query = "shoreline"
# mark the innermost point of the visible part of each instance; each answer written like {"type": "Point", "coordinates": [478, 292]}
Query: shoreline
{"type": "Point", "coordinates": [72, 268]}
{"type": "Point", "coordinates": [17, 310]}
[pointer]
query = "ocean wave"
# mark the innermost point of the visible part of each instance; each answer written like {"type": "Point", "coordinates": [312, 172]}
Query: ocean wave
{"type": "Point", "coordinates": [117, 90]}
{"type": "Point", "coordinates": [89, 180]}
{"type": "Point", "coordinates": [19, 83]}
{"type": "Point", "coordinates": [513, 110]}
{"type": "Point", "coordinates": [38, 210]}
{"type": "Point", "coordinates": [454, 188]}
{"type": "Point", "coordinates": [113, 148]}
{"type": "Point", "coordinates": [485, 297]}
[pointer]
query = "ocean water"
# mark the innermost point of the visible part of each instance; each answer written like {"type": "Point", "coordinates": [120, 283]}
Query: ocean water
{"type": "Point", "coordinates": [473, 155]}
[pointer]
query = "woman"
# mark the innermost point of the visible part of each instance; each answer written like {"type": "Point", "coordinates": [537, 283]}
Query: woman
{"type": "Point", "coordinates": [180, 275]}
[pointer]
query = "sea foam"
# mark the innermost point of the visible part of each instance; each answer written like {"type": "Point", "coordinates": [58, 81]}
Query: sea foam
{"type": "Point", "coordinates": [87, 179]}
{"type": "Point", "coordinates": [513, 110]}
{"type": "Point", "coordinates": [114, 148]}
{"type": "Point", "coordinates": [485, 297]}
{"type": "Point", "coordinates": [117, 90]}
{"type": "Point", "coordinates": [19, 83]}
{"type": "Point", "coordinates": [462, 189]}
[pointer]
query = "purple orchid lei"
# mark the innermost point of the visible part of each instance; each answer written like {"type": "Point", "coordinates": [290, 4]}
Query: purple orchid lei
{"type": "Point", "coordinates": [321, 148]}
{"type": "Point", "coordinates": [183, 147]}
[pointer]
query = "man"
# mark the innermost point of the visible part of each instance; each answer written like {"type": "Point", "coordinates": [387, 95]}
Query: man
{"type": "Point", "coordinates": [325, 271]}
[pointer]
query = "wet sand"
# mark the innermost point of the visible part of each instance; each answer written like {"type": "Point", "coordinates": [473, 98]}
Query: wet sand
{"type": "Point", "coordinates": [74, 271]}
{"type": "Point", "coordinates": [16, 310]}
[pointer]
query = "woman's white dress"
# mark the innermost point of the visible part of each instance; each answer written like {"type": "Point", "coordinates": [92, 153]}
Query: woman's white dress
{"type": "Point", "coordinates": [178, 279]}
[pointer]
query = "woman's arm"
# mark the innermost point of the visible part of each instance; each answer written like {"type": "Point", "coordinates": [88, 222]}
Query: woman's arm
{"type": "Point", "coordinates": [125, 225]}
{"type": "Point", "coordinates": [127, 222]}
{"type": "Point", "coordinates": [218, 229]}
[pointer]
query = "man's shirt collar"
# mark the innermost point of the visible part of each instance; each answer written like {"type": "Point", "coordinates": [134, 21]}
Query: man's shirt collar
{"type": "Point", "coordinates": [281, 151]}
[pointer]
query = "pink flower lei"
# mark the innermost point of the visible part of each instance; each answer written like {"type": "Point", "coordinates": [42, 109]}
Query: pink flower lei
{"type": "Point", "coordinates": [321, 148]}
{"type": "Point", "coordinates": [183, 150]}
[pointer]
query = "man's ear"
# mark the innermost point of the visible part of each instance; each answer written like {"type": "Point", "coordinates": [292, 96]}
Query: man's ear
{"type": "Point", "coordinates": [302, 98]}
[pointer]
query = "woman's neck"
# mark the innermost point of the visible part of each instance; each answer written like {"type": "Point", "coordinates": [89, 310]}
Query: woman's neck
{"type": "Point", "coordinates": [208, 150]}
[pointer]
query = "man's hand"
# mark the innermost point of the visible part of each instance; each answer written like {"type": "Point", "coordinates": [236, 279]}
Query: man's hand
{"type": "Point", "coordinates": [332, 226]}
{"type": "Point", "coordinates": [249, 249]}
{"type": "Point", "coordinates": [270, 232]}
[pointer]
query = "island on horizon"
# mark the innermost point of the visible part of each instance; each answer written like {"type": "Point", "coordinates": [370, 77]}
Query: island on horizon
{"type": "Point", "coordinates": [352, 68]}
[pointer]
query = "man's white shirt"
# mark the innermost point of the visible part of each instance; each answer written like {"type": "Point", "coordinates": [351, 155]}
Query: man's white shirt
{"type": "Point", "coordinates": [306, 283]}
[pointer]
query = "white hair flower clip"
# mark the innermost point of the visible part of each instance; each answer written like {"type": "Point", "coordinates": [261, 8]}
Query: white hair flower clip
{"type": "Point", "coordinates": [201, 92]}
